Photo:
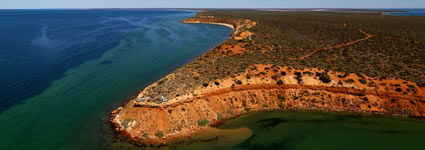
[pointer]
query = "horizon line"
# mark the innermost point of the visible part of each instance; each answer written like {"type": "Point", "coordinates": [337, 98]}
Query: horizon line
{"type": "Point", "coordinates": [197, 8]}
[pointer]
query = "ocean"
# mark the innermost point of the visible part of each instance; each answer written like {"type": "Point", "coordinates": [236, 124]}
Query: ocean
{"type": "Point", "coordinates": [407, 12]}
{"type": "Point", "coordinates": [63, 71]}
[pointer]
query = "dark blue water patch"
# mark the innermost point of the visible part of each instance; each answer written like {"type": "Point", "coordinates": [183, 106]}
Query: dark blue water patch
{"type": "Point", "coordinates": [106, 62]}
{"type": "Point", "coordinates": [39, 46]}
{"type": "Point", "coordinates": [406, 12]}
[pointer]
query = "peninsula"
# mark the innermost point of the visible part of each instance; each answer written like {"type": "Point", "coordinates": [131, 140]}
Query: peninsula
{"type": "Point", "coordinates": [318, 61]}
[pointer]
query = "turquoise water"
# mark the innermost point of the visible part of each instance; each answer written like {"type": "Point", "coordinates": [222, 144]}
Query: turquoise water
{"type": "Point", "coordinates": [83, 64]}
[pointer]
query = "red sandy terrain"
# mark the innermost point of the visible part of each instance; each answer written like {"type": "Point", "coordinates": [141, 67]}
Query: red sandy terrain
{"type": "Point", "coordinates": [261, 87]}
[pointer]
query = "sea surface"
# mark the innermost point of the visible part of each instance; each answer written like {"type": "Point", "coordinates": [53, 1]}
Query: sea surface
{"type": "Point", "coordinates": [63, 71]}
{"type": "Point", "coordinates": [407, 12]}
{"type": "Point", "coordinates": [318, 131]}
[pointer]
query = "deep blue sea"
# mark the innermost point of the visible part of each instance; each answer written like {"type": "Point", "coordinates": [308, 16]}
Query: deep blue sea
{"type": "Point", "coordinates": [407, 12]}
{"type": "Point", "coordinates": [38, 46]}
{"type": "Point", "coordinates": [63, 71]}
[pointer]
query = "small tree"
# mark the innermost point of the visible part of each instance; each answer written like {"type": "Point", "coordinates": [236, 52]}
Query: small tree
{"type": "Point", "coordinates": [203, 122]}
{"type": "Point", "coordinates": [281, 105]}
{"type": "Point", "coordinates": [363, 80]}
{"type": "Point", "coordinates": [219, 116]}
{"type": "Point", "coordinates": [324, 77]}
{"type": "Point", "coordinates": [126, 122]}
{"type": "Point", "coordinates": [230, 111]}
{"type": "Point", "coordinates": [159, 134]}
{"type": "Point", "coordinates": [281, 97]}
{"type": "Point", "coordinates": [349, 81]}
{"type": "Point", "coordinates": [280, 82]}
{"type": "Point", "coordinates": [145, 135]}
{"type": "Point", "coordinates": [205, 84]}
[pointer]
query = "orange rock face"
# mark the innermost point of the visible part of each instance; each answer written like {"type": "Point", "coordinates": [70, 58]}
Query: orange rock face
{"type": "Point", "coordinates": [292, 89]}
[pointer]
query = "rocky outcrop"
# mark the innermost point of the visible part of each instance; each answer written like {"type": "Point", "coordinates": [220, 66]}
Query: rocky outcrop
{"type": "Point", "coordinates": [260, 87]}
{"type": "Point", "coordinates": [289, 89]}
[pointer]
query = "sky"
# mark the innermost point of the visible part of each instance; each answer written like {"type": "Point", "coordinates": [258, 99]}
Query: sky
{"type": "Point", "coordinates": [25, 4]}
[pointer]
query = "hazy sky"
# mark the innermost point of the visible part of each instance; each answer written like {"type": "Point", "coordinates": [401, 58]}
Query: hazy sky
{"type": "Point", "coordinates": [212, 3]}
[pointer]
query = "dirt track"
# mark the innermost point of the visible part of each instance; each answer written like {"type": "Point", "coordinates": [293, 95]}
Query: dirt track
{"type": "Point", "coordinates": [368, 36]}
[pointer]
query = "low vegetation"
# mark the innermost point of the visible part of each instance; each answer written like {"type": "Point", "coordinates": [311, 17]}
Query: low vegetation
{"type": "Point", "coordinates": [126, 122]}
{"type": "Point", "coordinates": [395, 50]}
{"type": "Point", "coordinates": [159, 134]}
{"type": "Point", "coordinates": [203, 122]}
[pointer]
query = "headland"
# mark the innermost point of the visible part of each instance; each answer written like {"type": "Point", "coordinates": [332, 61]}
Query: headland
{"type": "Point", "coordinates": [285, 61]}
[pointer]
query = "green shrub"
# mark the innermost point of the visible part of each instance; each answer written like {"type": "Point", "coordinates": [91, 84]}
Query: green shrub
{"type": "Point", "coordinates": [219, 116]}
{"type": "Point", "coordinates": [363, 80]}
{"type": "Point", "coordinates": [393, 100]}
{"type": "Point", "coordinates": [349, 81]}
{"type": "Point", "coordinates": [281, 97]}
{"type": "Point", "coordinates": [126, 122]}
{"type": "Point", "coordinates": [247, 109]}
{"type": "Point", "coordinates": [145, 135]}
{"type": "Point", "coordinates": [324, 77]}
{"type": "Point", "coordinates": [281, 105]}
{"type": "Point", "coordinates": [239, 82]}
{"type": "Point", "coordinates": [205, 84]}
{"type": "Point", "coordinates": [161, 82]}
{"type": "Point", "coordinates": [280, 82]}
{"type": "Point", "coordinates": [230, 112]}
{"type": "Point", "coordinates": [203, 122]}
{"type": "Point", "coordinates": [275, 77]}
{"type": "Point", "coordinates": [159, 134]}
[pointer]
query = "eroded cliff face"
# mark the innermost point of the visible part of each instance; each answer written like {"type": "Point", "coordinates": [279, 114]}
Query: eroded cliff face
{"type": "Point", "coordinates": [186, 101]}
{"type": "Point", "coordinates": [267, 87]}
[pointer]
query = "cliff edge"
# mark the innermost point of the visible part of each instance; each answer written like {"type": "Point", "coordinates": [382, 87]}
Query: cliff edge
{"type": "Point", "coordinates": [234, 79]}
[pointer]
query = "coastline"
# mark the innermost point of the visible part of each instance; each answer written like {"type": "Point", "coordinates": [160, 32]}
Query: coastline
{"type": "Point", "coordinates": [222, 24]}
{"type": "Point", "coordinates": [168, 115]}
{"type": "Point", "coordinates": [215, 100]}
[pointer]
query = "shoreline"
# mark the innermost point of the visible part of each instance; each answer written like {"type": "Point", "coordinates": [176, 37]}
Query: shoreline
{"type": "Point", "coordinates": [221, 24]}
{"type": "Point", "coordinates": [182, 115]}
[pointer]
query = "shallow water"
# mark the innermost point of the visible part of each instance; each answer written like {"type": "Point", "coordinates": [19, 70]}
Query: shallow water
{"type": "Point", "coordinates": [312, 130]}
{"type": "Point", "coordinates": [64, 71]}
